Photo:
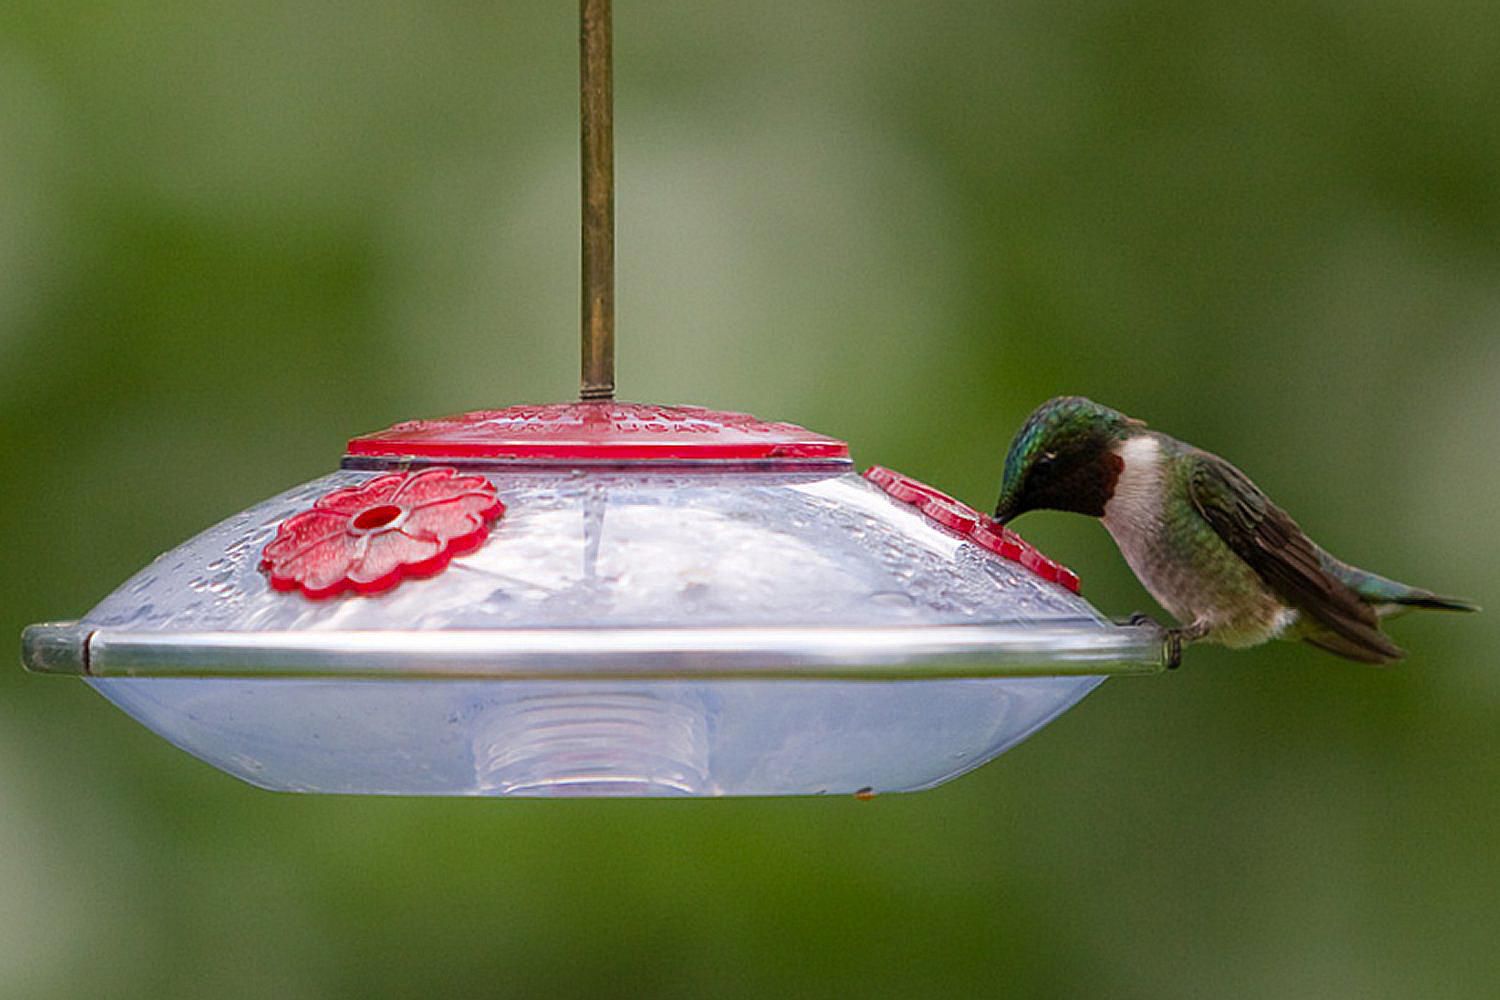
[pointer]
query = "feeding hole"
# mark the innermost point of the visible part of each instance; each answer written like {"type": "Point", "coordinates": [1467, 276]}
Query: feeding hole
{"type": "Point", "coordinates": [375, 518]}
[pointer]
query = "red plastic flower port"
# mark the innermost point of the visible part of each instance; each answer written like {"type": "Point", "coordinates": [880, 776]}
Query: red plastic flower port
{"type": "Point", "coordinates": [370, 537]}
{"type": "Point", "coordinates": [966, 521]}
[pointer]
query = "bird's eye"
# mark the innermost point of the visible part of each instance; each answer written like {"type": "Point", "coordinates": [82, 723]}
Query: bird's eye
{"type": "Point", "coordinates": [1048, 457]}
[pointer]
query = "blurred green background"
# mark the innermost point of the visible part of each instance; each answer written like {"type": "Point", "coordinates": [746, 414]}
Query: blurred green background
{"type": "Point", "coordinates": [234, 234]}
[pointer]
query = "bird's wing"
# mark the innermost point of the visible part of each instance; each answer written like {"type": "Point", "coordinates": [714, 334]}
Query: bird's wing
{"type": "Point", "coordinates": [1266, 537]}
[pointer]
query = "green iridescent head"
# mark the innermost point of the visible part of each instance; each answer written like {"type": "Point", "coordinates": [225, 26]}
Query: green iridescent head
{"type": "Point", "coordinates": [1063, 458]}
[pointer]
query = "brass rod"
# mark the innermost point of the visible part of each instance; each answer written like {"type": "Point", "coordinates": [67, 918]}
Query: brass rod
{"type": "Point", "coordinates": [597, 157]}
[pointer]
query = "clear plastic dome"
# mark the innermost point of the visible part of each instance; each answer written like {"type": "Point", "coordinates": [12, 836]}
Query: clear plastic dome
{"type": "Point", "coordinates": [747, 626]}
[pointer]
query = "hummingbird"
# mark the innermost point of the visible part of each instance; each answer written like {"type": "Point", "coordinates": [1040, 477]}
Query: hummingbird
{"type": "Point", "coordinates": [1207, 543]}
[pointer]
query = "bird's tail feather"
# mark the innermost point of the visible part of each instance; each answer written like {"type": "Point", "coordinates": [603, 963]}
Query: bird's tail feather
{"type": "Point", "coordinates": [1426, 599]}
{"type": "Point", "coordinates": [1378, 590]}
{"type": "Point", "coordinates": [1372, 647]}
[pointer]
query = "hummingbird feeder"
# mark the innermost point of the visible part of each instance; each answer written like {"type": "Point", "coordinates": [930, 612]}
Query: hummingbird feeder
{"type": "Point", "coordinates": [598, 598]}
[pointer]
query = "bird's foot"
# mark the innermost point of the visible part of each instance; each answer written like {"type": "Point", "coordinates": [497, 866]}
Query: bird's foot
{"type": "Point", "coordinates": [1178, 638]}
{"type": "Point", "coordinates": [1173, 639]}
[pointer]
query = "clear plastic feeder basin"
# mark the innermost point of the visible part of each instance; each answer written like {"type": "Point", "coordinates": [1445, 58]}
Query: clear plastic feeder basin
{"type": "Point", "coordinates": [598, 599]}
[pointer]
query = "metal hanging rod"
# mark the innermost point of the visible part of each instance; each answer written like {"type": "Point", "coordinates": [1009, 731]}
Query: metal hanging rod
{"type": "Point", "coordinates": [597, 159]}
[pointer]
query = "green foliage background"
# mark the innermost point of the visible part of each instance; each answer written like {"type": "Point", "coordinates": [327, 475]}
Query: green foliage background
{"type": "Point", "coordinates": [234, 234]}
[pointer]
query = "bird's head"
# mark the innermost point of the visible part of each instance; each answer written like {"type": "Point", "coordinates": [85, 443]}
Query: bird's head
{"type": "Point", "coordinates": [1064, 458]}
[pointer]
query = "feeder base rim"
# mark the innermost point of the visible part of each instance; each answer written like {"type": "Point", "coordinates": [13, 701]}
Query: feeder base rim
{"type": "Point", "coordinates": [793, 653]}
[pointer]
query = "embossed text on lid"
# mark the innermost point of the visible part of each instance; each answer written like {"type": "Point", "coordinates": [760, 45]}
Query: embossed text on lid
{"type": "Point", "coordinates": [601, 431]}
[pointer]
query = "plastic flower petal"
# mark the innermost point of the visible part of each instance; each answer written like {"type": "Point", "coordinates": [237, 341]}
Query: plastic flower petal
{"type": "Point", "coordinates": [370, 537]}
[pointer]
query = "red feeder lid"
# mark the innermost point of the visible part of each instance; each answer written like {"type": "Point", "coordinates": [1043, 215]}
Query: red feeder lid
{"type": "Point", "coordinates": [601, 432]}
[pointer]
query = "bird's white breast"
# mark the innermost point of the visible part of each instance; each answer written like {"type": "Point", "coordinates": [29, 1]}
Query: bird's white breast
{"type": "Point", "coordinates": [1231, 599]}
{"type": "Point", "coordinates": [1134, 514]}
